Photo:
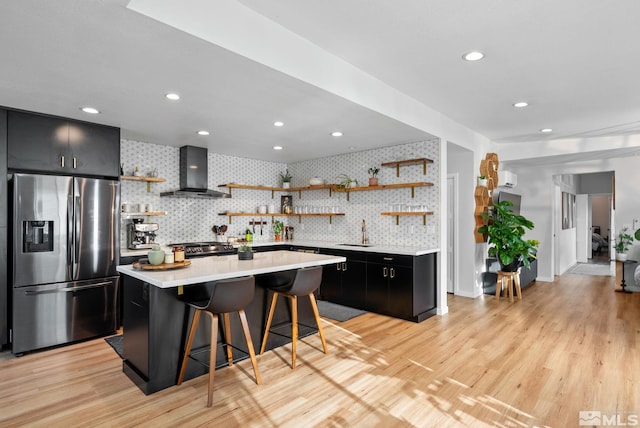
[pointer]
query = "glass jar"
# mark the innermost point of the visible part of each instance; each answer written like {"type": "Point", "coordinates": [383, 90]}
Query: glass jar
{"type": "Point", "coordinates": [178, 254]}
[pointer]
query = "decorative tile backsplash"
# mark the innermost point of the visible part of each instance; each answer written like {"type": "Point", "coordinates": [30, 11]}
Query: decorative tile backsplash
{"type": "Point", "coordinates": [190, 220]}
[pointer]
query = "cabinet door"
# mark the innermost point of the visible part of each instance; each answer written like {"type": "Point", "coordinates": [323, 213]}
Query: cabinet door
{"type": "Point", "coordinates": [377, 288]}
{"type": "Point", "coordinates": [37, 143]}
{"type": "Point", "coordinates": [401, 291]}
{"type": "Point", "coordinates": [330, 287]}
{"type": "Point", "coordinates": [354, 284]}
{"type": "Point", "coordinates": [94, 149]}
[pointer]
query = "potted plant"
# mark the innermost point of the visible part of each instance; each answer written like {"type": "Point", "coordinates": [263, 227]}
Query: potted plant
{"type": "Point", "coordinates": [373, 171]}
{"type": "Point", "coordinates": [482, 180]}
{"type": "Point", "coordinates": [623, 242]}
{"type": "Point", "coordinates": [505, 231]}
{"type": "Point", "coordinates": [345, 182]}
{"type": "Point", "coordinates": [278, 227]}
{"type": "Point", "coordinates": [245, 252]}
{"type": "Point", "coordinates": [286, 179]}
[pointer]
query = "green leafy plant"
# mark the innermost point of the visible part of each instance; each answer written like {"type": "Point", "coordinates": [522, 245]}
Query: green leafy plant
{"type": "Point", "coordinates": [505, 230]}
{"type": "Point", "coordinates": [373, 171]}
{"type": "Point", "coordinates": [278, 227]}
{"type": "Point", "coordinates": [244, 249]}
{"type": "Point", "coordinates": [345, 182]}
{"type": "Point", "coordinates": [623, 241]}
{"type": "Point", "coordinates": [482, 177]}
{"type": "Point", "coordinates": [286, 177]}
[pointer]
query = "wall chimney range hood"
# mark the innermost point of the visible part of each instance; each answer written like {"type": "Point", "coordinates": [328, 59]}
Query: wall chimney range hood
{"type": "Point", "coordinates": [194, 176]}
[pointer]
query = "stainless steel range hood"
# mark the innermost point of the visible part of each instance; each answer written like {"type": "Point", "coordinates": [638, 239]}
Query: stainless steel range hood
{"type": "Point", "coordinates": [194, 176]}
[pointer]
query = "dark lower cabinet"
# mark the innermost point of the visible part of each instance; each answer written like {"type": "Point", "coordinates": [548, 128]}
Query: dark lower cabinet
{"type": "Point", "coordinates": [42, 143]}
{"type": "Point", "coordinates": [4, 242]}
{"type": "Point", "coordinates": [395, 285]}
{"type": "Point", "coordinates": [345, 283]}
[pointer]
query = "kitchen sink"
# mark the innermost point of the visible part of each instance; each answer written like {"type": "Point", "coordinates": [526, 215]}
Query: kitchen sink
{"type": "Point", "coordinates": [357, 245]}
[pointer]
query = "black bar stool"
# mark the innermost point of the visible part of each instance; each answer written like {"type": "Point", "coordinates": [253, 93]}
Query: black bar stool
{"type": "Point", "coordinates": [305, 282]}
{"type": "Point", "coordinates": [231, 295]}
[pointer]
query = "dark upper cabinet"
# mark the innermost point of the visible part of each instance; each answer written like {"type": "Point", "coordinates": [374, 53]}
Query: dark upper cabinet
{"type": "Point", "coordinates": [51, 144]}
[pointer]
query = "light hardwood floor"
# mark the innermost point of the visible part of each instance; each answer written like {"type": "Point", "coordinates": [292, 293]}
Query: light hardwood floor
{"type": "Point", "coordinates": [568, 346]}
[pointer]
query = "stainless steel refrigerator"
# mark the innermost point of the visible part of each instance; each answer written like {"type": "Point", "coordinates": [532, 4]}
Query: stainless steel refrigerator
{"type": "Point", "coordinates": [66, 233]}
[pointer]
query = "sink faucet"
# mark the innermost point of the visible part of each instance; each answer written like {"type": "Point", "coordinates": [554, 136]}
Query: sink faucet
{"type": "Point", "coordinates": [365, 240]}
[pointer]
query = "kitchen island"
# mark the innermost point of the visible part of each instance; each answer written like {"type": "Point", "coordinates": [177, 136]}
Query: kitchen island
{"type": "Point", "coordinates": [156, 320]}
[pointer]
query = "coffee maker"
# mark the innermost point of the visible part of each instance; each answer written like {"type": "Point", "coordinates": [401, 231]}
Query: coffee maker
{"type": "Point", "coordinates": [141, 235]}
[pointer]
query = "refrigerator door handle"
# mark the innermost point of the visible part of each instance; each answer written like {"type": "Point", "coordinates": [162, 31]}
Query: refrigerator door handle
{"type": "Point", "coordinates": [69, 289]}
{"type": "Point", "coordinates": [76, 235]}
{"type": "Point", "coordinates": [70, 238]}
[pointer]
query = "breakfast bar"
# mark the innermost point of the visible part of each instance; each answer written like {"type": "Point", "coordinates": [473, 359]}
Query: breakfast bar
{"type": "Point", "coordinates": [156, 320]}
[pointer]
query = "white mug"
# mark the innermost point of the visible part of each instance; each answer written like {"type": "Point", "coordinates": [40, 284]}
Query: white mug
{"type": "Point", "coordinates": [262, 209]}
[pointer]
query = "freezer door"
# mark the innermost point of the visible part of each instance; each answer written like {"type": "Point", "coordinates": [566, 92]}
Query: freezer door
{"type": "Point", "coordinates": [96, 233]}
{"type": "Point", "coordinates": [54, 314]}
{"type": "Point", "coordinates": [41, 221]}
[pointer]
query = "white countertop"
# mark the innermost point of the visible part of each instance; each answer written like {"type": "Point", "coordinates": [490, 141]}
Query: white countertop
{"type": "Point", "coordinates": [373, 248]}
{"type": "Point", "coordinates": [204, 269]}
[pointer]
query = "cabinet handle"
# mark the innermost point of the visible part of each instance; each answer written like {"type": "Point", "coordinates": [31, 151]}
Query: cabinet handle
{"type": "Point", "coordinates": [385, 272]}
{"type": "Point", "coordinates": [344, 266]}
{"type": "Point", "coordinates": [74, 163]}
{"type": "Point", "coordinates": [392, 273]}
{"type": "Point", "coordinates": [62, 161]}
{"type": "Point", "coordinates": [388, 259]}
{"type": "Point", "coordinates": [338, 266]}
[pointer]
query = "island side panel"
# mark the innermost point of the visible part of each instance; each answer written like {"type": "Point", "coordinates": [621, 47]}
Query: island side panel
{"type": "Point", "coordinates": [156, 323]}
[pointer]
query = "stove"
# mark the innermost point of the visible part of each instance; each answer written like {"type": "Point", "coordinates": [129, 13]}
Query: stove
{"type": "Point", "coordinates": [195, 249]}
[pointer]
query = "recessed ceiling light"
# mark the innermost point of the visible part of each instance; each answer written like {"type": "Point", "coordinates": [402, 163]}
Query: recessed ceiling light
{"type": "Point", "coordinates": [90, 110]}
{"type": "Point", "coordinates": [203, 132]}
{"type": "Point", "coordinates": [278, 123]}
{"type": "Point", "coordinates": [277, 147]}
{"type": "Point", "coordinates": [352, 147]}
{"type": "Point", "coordinates": [173, 97]}
{"type": "Point", "coordinates": [473, 56]}
{"type": "Point", "coordinates": [546, 130]}
{"type": "Point", "coordinates": [521, 104]}
{"type": "Point", "coordinates": [336, 134]}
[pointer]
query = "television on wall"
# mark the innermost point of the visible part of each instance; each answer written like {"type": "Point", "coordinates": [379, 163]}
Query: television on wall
{"type": "Point", "coordinates": [506, 196]}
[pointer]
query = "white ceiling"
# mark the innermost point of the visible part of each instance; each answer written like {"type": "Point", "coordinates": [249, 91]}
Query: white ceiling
{"type": "Point", "coordinates": [574, 61]}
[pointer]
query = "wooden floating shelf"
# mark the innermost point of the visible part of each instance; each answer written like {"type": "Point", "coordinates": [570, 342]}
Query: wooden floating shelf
{"type": "Point", "coordinates": [384, 187]}
{"type": "Point", "coordinates": [272, 189]}
{"type": "Point", "coordinates": [330, 215]}
{"type": "Point", "coordinates": [148, 180]}
{"type": "Point", "coordinates": [418, 161]}
{"type": "Point", "coordinates": [398, 214]}
{"type": "Point", "coordinates": [150, 213]}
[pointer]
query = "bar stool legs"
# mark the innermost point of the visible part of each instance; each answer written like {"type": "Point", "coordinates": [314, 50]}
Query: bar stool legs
{"type": "Point", "coordinates": [214, 341]}
{"type": "Point", "coordinates": [294, 323]}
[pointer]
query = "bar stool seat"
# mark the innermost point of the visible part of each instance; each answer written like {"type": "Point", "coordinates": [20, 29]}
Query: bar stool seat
{"type": "Point", "coordinates": [512, 279]}
{"type": "Point", "coordinates": [304, 283]}
{"type": "Point", "coordinates": [231, 295]}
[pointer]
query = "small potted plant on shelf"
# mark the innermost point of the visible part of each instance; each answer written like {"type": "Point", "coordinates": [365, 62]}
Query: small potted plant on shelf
{"type": "Point", "coordinates": [482, 180]}
{"type": "Point", "coordinates": [373, 171]}
{"type": "Point", "coordinates": [278, 227]}
{"type": "Point", "coordinates": [286, 179]}
{"type": "Point", "coordinates": [245, 252]}
{"type": "Point", "coordinates": [623, 242]}
{"type": "Point", "coordinates": [345, 183]}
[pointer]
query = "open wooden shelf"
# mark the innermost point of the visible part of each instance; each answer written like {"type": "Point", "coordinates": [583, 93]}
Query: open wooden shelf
{"type": "Point", "coordinates": [150, 213]}
{"type": "Point", "coordinates": [148, 180]}
{"type": "Point", "coordinates": [384, 187]}
{"type": "Point", "coordinates": [398, 214]}
{"type": "Point", "coordinates": [299, 189]}
{"type": "Point", "coordinates": [330, 215]}
{"type": "Point", "coordinates": [417, 161]}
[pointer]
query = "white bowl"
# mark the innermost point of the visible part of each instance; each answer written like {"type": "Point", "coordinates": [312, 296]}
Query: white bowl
{"type": "Point", "coordinates": [315, 181]}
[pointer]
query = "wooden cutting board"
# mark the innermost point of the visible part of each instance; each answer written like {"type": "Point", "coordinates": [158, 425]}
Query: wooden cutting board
{"type": "Point", "coordinates": [145, 265]}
